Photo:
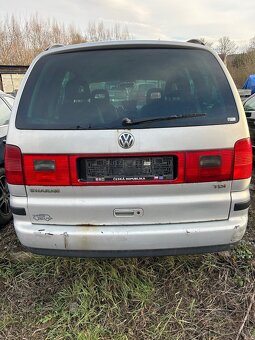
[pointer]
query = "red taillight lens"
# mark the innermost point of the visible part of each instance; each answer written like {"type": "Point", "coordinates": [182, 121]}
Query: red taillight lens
{"type": "Point", "coordinates": [192, 166]}
{"type": "Point", "coordinates": [243, 159]}
{"type": "Point", "coordinates": [209, 166]}
{"type": "Point", "coordinates": [46, 170]}
{"type": "Point", "coordinates": [13, 165]}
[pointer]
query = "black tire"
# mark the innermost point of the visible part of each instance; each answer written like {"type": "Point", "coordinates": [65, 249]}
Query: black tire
{"type": "Point", "coordinates": [5, 209]}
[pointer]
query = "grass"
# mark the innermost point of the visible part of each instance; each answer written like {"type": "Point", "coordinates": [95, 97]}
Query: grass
{"type": "Point", "coordinates": [187, 297]}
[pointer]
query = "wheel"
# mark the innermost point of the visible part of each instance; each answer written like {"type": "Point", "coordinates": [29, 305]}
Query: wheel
{"type": "Point", "coordinates": [5, 209]}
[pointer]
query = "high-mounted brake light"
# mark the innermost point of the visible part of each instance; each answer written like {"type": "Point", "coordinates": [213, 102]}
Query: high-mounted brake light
{"type": "Point", "coordinates": [13, 165]}
{"type": "Point", "coordinates": [243, 159]}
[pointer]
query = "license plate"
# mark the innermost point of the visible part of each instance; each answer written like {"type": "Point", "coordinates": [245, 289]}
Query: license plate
{"type": "Point", "coordinates": [117, 169]}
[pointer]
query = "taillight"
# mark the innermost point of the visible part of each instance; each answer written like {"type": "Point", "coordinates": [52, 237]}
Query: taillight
{"type": "Point", "coordinates": [13, 165]}
{"type": "Point", "coordinates": [192, 167]}
{"type": "Point", "coordinates": [243, 159]}
{"type": "Point", "coordinates": [46, 170]}
{"type": "Point", "coordinates": [209, 166]}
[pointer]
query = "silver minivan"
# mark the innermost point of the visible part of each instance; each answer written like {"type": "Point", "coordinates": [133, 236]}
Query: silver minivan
{"type": "Point", "coordinates": [98, 168]}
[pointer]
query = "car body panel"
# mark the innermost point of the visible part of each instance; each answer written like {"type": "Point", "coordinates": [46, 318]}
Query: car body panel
{"type": "Point", "coordinates": [6, 99]}
{"type": "Point", "coordinates": [91, 205]}
{"type": "Point", "coordinates": [104, 217]}
{"type": "Point", "coordinates": [135, 237]}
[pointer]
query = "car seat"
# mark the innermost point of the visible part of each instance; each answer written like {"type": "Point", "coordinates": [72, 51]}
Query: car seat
{"type": "Point", "coordinates": [154, 103]}
{"type": "Point", "coordinates": [76, 107]}
{"type": "Point", "coordinates": [101, 99]}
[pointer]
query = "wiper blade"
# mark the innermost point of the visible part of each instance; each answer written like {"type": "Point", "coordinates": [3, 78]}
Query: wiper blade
{"type": "Point", "coordinates": [128, 122]}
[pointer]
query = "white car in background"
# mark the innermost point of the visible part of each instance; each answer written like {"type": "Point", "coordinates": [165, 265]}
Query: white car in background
{"type": "Point", "coordinates": [6, 103]}
{"type": "Point", "coordinates": [249, 108]}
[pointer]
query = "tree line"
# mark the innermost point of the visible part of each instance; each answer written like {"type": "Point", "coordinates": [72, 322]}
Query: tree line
{"type": "Point", "coordinates": [239, 64]}
{"type": "Point", "coordinates": [22, 40]}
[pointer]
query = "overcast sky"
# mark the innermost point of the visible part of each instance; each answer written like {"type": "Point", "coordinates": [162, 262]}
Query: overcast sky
{"type": "Point", "coordinates": [149, 19]}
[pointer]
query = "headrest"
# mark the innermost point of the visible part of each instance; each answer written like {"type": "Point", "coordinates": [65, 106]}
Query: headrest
{"type": "Point", "coordinates": [77, 91]}
{"type": "Point", "coordinates": [178, 83]}
{"type": "Point", "coordinates": [100, 95]}
{"type": "Point", "coordinates": [153, 94]}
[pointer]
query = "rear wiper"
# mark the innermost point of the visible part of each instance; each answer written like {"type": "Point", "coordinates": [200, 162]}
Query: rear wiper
{"type": "Point", "coordinates": [128, 122]}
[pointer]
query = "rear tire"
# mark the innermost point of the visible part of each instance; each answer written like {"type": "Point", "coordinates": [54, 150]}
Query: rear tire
{"type": "Point", "coordinates": [5, 209]}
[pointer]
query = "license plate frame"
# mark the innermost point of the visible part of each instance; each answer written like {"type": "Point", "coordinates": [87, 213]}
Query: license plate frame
{"type": "Point", "coordinates": [128, 169]}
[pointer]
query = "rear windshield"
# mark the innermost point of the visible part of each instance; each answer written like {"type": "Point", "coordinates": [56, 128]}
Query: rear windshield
{"type": "Point", "coordinates": [104, 88]}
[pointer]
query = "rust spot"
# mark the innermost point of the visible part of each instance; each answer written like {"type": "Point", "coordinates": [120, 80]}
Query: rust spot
{"type": "Point", "coordinates": [89, 225]}
{"type": "Point", "coordinates": [65, 239]}
{"type": "Point", "coordinates": [86, 225]}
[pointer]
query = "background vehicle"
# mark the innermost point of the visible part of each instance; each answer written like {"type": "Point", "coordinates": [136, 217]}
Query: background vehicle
{"type": "Point", "coordinates": [250, 83]}
{"type": "Point", "coordinates": [115, 174]}
{"type": "Point", "coordinates": [244, 94]}
{"type": "Point", "coordinates": [249, 107]}
{"type": "Point", "coordinates": [6, 103]}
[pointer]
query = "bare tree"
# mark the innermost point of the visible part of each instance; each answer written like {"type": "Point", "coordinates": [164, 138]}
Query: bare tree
{"type": "Point", "coordinates": [99, 32]}
{"type": "Point", "coordinates": [11, 41]}
{"type": "Point", "coordinates": [75, 37]}
{"type": "Point", "coordinates": [252, 43]}
{"type": "Point", "coordinates": [207, 42]}
{"type": "Point", "coordinates": [226, 47]}
{"type": "Point", "coordinates": [22, 40]}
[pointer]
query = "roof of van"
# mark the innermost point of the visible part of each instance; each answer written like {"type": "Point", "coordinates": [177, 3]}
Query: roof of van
{"type": "Point", "coordinates": [123, 44]}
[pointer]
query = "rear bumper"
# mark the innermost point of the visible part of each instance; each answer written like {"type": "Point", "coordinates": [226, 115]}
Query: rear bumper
{"type": "Point", "coordinates": [129, 253]}
{"type": "Point", "coordinates": [135, 240]}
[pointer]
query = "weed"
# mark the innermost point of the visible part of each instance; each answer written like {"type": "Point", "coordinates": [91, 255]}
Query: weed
{"type": "Point", "coordinates": [185, 297]}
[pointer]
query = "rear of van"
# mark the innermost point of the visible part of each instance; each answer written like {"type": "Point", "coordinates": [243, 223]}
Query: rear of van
{"type": "Point", "coordinates": [128, 149]}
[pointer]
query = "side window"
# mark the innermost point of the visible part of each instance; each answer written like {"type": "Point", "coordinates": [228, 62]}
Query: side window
{"type": "Point", "coordinates": [250, 105]}
{"type": "Point", "coordinates": [5, 113]}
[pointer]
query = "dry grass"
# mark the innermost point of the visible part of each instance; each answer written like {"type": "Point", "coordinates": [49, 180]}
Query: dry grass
{"type": "Point", "coordinates": [207, 296]}
{"type": "Point", "coordinates": [186, 297]}
{"type": "Point", "coordinates": [242, 66]}
{"type": "Point", "coordinates": [198, 297]}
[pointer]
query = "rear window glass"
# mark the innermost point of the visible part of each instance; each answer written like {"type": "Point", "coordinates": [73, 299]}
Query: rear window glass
{"type": "Point", "coordinates": [101, 89]}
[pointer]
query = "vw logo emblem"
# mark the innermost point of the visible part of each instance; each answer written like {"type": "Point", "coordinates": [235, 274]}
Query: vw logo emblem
{"type": "Point", "coordinates": [126, 140]}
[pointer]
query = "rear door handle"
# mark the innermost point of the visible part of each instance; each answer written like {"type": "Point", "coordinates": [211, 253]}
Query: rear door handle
{"type": "Point", "coordinates": [133, 212]}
